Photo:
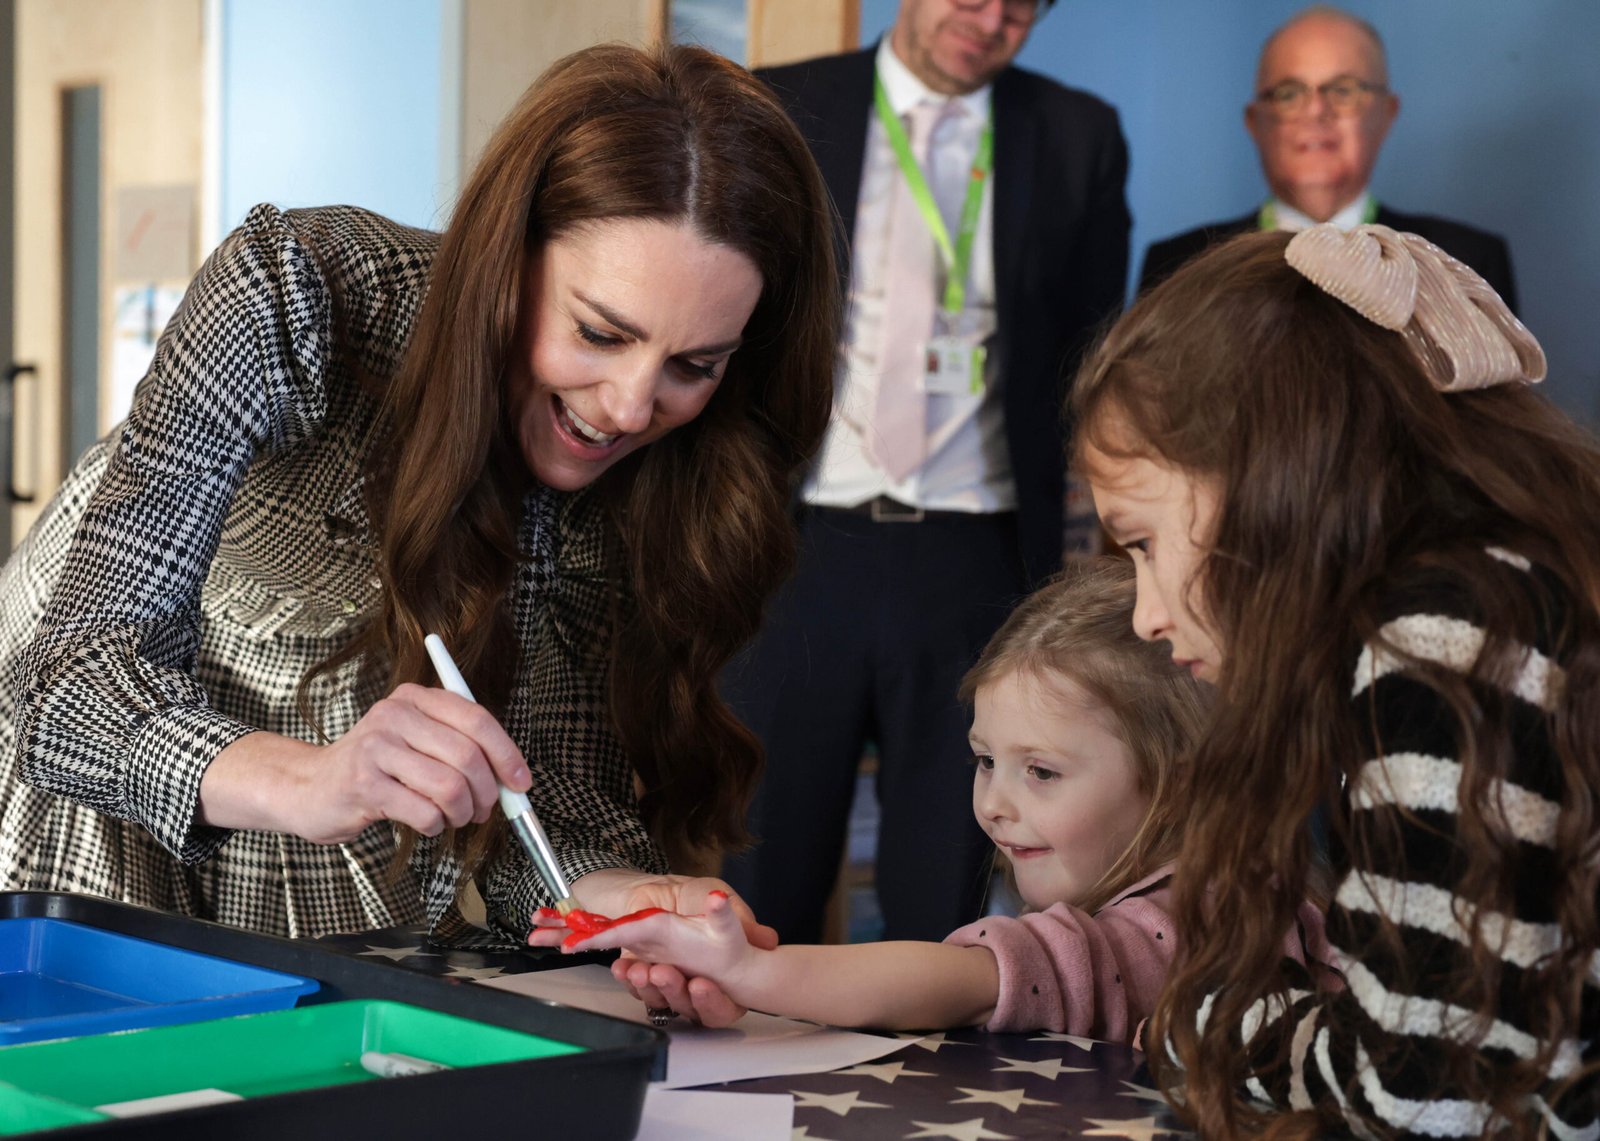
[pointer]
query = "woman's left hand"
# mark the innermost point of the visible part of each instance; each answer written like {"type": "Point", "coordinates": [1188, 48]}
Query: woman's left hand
{"type": "Point", "coordinates": [662, 986]}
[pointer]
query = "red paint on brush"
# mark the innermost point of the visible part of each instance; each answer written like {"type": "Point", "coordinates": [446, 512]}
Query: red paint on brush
{"type": "Point", "coordinates": [583, 924]}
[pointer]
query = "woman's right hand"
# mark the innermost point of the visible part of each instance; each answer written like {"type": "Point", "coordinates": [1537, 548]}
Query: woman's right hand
{"type": "Point", "coordinates": [421, 757]}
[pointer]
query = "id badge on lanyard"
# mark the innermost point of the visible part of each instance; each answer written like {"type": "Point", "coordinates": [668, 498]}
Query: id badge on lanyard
{"type": "Point", "coordinates": [955, 364]}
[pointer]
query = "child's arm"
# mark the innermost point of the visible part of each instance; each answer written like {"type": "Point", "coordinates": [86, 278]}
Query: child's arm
{"type": "Point", "coordinates": [893, 986]}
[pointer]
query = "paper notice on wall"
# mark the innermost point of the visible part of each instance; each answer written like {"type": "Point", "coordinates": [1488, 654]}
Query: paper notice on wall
{"type": "Point", "coordinates": [140, 312]}
{"type": "Point", "coordinates": [155, 234]}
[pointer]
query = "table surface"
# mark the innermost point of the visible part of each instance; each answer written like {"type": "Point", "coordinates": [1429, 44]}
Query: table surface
{"type": "Point", "coordinates": [964, 1085]}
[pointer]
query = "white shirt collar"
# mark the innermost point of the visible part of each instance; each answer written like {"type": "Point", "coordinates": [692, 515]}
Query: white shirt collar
{"type": "Point", "coordinates": [1291, 219]}
{"type": "Point", "coordinates": [905, 90]}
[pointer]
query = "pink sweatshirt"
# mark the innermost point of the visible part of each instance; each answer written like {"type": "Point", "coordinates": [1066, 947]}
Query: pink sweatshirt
{"type": "Point", "coordinates": [1096, 975]}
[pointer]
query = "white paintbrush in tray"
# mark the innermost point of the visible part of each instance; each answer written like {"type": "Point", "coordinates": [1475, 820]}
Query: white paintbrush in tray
{"type": "Point", "coordinates": [516, 806]}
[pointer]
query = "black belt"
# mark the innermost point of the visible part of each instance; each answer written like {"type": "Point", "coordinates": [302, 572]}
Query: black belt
{"type": "Point", "coordinates": [883, 509]}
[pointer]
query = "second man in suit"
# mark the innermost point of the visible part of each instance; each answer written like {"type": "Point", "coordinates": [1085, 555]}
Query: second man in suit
{"type": "Point", "coordinates": [1321, 112]}
{"type": "Point", "coordinates": [987, 232]}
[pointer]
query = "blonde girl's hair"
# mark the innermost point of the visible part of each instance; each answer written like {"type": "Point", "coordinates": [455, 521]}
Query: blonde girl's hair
{"type": "Point", "coordinates": [1079, 626]}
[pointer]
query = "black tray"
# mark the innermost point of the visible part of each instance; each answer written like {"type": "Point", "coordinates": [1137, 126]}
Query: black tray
{"type": "Point", "coordinates": [596, 1094]}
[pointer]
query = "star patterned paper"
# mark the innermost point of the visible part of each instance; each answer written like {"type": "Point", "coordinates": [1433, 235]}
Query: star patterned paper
{"type": "Point", "coordinates": [1142, 1129]}
{"type": "Point", "coordinates": [476, 974]}
{"type": "Point", "coordinates": [1051, 1068]}
{"type": "Point", "coordinates": [953, 1085]}
{"type": "Point", "coordinates": [393, 954]}
{"type": "Point", "coordinates": [840, 1103]}
{"type": "Point", "coordinates": [1057, 1036]}
{"type": "Point", "coordinates": [1012, 1099]}
{"type": "Point", "coordinates": [960, 1131]}
{"type": "Point", "coordinates": [931, 1042]}
{"type": "Point", "coordinates": [884, 1071]}
{"type": "Point", "coordinates": [1144, 1093]}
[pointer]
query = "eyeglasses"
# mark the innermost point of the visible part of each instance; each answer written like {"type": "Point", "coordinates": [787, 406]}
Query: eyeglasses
{"type": "Point", "coordinates": [1013, 11]}
{"type": "Point", "coordinates": [1345, 96]}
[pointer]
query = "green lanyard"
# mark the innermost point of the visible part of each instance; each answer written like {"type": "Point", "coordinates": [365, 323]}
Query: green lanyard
{"type": "Point", "coordinates": [957, 256]}
{"type": "Point", "coordinates": [1267, 219]}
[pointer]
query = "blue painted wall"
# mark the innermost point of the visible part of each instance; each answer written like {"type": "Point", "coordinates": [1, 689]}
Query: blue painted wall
{"type": "Point", "coordinates": [1499, 126]}
{"type": "Point", "coordinates": [328, 101]}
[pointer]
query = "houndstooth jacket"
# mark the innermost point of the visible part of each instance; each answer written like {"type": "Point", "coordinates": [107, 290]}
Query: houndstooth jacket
{"type": "Point", "coordinates": [209, 551]}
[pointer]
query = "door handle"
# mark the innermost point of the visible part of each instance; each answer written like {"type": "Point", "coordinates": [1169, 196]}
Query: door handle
{"type": "Point", "coordinates": [7, 420]}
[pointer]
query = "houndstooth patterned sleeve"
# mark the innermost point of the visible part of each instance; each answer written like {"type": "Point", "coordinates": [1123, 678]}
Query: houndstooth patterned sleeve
{"type": "Point", "coordinates": [568, 599]}
{"type": "Point", "coordinates": [110, 713]}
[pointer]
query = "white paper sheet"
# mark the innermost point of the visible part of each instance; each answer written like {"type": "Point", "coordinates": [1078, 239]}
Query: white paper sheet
{"type": "Point", "coordinates": [694, 1115]}
{"type": "Point", "coordinates": [757, 1046]}
{"type": "Point", "coordinates": [167, 1102]}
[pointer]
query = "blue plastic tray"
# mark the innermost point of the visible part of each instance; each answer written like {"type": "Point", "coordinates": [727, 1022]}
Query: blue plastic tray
{"type": "Point", "coordinates": [60, 979]}
{"type": "Point", "coordinates": [596, 1093]}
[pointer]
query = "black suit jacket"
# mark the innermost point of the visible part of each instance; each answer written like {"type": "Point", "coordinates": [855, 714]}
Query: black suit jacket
{"type": "Point", "coordinates": [1061, 246]}
{"type": "Point", "coordinates": [1485, 252]}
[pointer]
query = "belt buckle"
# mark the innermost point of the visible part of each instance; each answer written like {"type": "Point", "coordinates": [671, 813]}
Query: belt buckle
{"type": "Point", "coordinates": [881, 513]}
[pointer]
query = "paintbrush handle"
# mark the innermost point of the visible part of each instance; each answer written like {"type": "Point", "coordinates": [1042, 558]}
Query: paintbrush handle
{"type": "Point", "coordinates": [516, 805]}
{"type": "Point", "coordinates": [537, 845]}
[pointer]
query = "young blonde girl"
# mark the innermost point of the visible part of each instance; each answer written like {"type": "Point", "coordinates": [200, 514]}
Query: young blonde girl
{"type": "Point", "coordinates": [1077, 733]}
{"type": "Point", "coordinates": [1347, 507]}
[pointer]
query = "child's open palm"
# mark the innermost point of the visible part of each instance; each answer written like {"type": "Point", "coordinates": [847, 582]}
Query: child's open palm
{"type": "Point", "coordinates": [711, 946]}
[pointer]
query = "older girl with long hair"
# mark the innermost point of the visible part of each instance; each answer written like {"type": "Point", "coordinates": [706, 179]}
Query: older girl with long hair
{"type": "Point", "coordinates": [561, 435]}
{"type": "Point", "coordinates": [1349, 509]}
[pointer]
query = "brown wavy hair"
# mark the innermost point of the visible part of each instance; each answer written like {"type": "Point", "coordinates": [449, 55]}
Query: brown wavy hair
{"type": "Point", "coordinates": [1342, 475]}
{"type": "Point", "coordinates": [1079, 626]}
{"type": "Point", "coordinates": [701, 517]}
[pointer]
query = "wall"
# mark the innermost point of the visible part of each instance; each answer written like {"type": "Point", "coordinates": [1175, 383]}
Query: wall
{"type": "Point", "coordinates": [371, 102]}
{"type": "Point", "coordinates": [145, 57]}
{"type": "Point", "coordinates": [1498, 127]}
{"type": "Point", "coordinates": [511, 42]}
{"type": "Point", "coordinates": [325, 102]}
{"type": "Point", "coordinates": [780, 31]}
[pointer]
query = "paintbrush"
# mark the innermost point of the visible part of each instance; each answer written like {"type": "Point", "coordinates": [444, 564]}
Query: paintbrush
{"type": "Point", "coordinates": [516, 806]}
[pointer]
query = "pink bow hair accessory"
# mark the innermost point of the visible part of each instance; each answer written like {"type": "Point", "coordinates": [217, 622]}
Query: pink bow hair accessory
{"type": "Point", "coordinates": [1458, 326]}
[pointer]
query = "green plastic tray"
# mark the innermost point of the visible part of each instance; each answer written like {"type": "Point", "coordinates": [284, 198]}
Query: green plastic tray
{"type": "Point", "coordinates": [587, 1079]}
{"type": "Point", "coordinates": [257, 1055]}
{"type": "Point", "coordinates": [24, 1113]}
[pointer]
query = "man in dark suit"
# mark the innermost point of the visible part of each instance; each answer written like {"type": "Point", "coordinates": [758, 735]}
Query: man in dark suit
{"type": "Point", "coordinates": [1321, 112]}
{"type": "Point", "coordinates": [938, 497]}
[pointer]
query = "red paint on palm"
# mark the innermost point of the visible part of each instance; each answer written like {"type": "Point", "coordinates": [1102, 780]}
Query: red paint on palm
{"type": "Point", "coordinates": [583, 924]}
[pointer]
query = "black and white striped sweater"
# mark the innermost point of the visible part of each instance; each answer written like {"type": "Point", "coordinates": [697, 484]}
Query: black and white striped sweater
{"type": "Point", "coordinates": [1375, 1052]}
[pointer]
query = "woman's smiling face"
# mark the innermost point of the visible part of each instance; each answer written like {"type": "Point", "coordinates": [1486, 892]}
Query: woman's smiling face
{"type": "Point", "coordinates": [624, 332]}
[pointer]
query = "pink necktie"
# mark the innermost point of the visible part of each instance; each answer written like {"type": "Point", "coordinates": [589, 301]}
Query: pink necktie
{"type": "Point", "coordinates": [899, 420]}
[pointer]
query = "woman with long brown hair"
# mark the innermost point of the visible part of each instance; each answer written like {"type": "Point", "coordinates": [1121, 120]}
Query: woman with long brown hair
{"type": "Point", "coordinates": [1348, 508]}
{"type": "Point", "coordinates": [561, 435]}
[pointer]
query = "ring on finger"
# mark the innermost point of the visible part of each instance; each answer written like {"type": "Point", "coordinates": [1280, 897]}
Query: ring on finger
{"type": "Point", "coordinates": [659, 1015]}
